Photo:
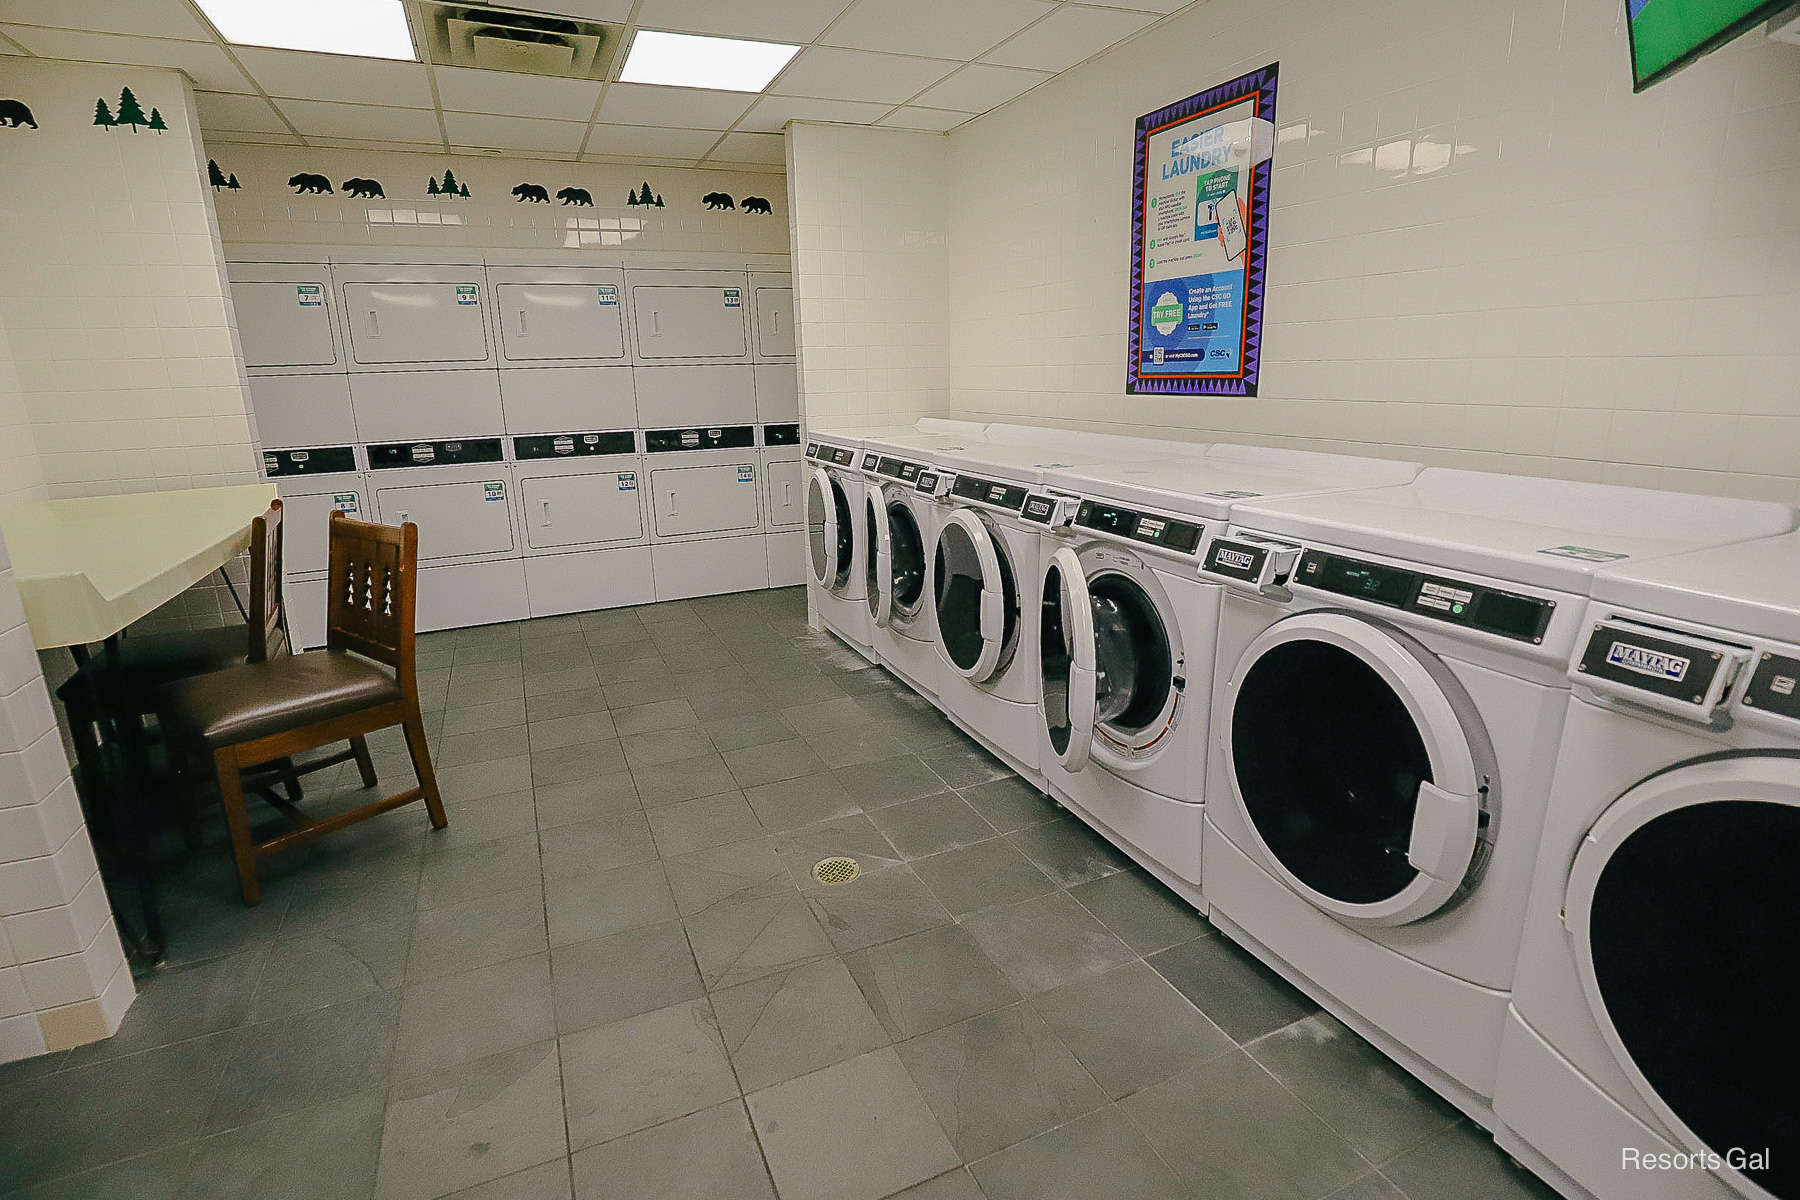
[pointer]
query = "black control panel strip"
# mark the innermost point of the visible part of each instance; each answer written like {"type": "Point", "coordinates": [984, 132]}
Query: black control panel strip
{"type": "Point", "coordinates": [315, 460]}
{"type": "Point", "coordinates": [574, 445]}
{"type": "Point", "coordinates": [781, 435]}
{"type": "Point", "coordinates": [435, 454]}
{"type": "Point", "coordinates": [716, 437]}
{"type": "Point", "coordinates": [895, 468]}
{"type": "Point", "coordinates": [837, 456]}
{"type": "Point", "coordinates": [1009, 496]}
{"type": "Point", "coordinates": [1152, 529]}
{"type": "Point", "coordinates": [1453, 601]}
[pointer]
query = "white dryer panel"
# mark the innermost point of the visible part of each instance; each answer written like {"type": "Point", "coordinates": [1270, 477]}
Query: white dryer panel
{"type": "Point", "coordinates": [777, 393]}
{"type": "Point", "coordinates": [303, 410]}
{"type": "Point", "coordinates": [709, 568]}
{"type": "Point", "coordinates": [590, 579]}
{"type": "Point", "coordinates": [784, 481]}
{"type": "Point", "coordinates": [417, 322]}
{"type": "Point", "coordinates": [461, 512]}
{"type": "Point", "coordinates": [542, 322]}
{"type": "Point", "coordinates": [568, 399]}
{"type": "Point", "coordinates": [464, 594]}
{"type": "Point", "coordinates": [403, 406]}
{"type": "Point", "coordinates": [672, 396]}
{"type": "Point", "coordinates": [787, 558]}
{"type": "Point", "coordinates": [715, 498]}
{"type": "Point", "coordinates": [580, 510]}
{"type": "Point", "coordinates": [286, 323]}
{"type": "Point", "coordinates": [307, 503]}
{"type": "Point", "coordinates": [690, 314]}
{"type": "Point", "coordinates": [774, 322]}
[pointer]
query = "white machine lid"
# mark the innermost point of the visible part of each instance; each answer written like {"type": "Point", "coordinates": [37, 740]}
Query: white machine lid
{"type": "Point", "coordinates": [1226, 476]}
{"type": "Point", "coordinates": [1750, 587]}
{"type": "Point", "coordinates": [1553, 533]}
{"type": "Point", "coordinates": [919, 440]}
{"type": "Point", "coordinates": [1119, 447]}
{"type": "Point", "coordinates": [1024, 464]}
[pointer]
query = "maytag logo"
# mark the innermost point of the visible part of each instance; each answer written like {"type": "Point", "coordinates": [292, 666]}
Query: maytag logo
{"type": "Point", "coordinates": [1653, 663]}
{"type": "Point", "coordinates": [1234, 558]}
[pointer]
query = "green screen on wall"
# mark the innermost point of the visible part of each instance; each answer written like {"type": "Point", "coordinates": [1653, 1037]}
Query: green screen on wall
{"type": "Point", "coordinates": [1667, 35]}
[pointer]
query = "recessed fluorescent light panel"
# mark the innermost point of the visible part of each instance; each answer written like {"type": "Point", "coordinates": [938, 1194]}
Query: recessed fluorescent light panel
{"type": "Point", "coordinates": [685, 60]}
{"type": "Point", "coordinates": [369, 28]}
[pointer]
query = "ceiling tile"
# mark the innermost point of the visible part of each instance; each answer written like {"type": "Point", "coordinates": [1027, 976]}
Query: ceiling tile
{"type": "Point", "coordinates": [690, 108]}
{"type": "Point", "coordinates": [832, 74]}
{"type": "Point", "coordinates": [934, 28]}
{"type": "Point", "coordinates": [1160, 7]}
{"type": "Point", "coordinates": [977, 88]}
{"type": "Point", "coordinates": [237, 114]}
{"type": "Point", "coordinates": [207, 65]}
{"type": "Point", "coordinates": [932, 119]}
{"type": "Point", "coordinates": [590, 10]}
{"type": "Point", "coordinates": [785, 21]}
{"type": "Point", "coordinates": [751, 148]}
{"type": "Point", "coordinates": [305, 75]}
{"type": "Point", "coordinates": [516, 95]}
{"type": "Point", "coordinates": [650, 141]}
{"type": "Point", "coordinates": [514, 133]}
{"type": "Point", "coordinates": [328, 119]}
{"type": "Point", "coordinates": [152, 18]}
{"type": "Point", "coordinates": [772, 113]}
{"type": "Point", "coordinates": [431, 147]}
{"type": "Point", "coordinates": [1068, 36]}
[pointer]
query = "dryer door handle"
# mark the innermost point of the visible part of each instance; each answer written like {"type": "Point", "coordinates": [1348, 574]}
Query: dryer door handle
{"type": "Point", "coordinates": [1443, 832]}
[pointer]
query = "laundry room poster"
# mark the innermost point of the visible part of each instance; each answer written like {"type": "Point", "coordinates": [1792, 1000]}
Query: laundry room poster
{"type": "Point", "coordinates": [1199, 246]}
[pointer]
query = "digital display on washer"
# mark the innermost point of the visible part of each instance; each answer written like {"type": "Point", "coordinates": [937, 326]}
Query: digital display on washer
{"type": "Point", "coordinates": [1508, 614]}
{"type": "Point", "coordinates": [894, 468]}
{"type": "Point", "coordinates": [1349, 577]}
{"type": "Point", "coordinates": [1183, 536]}
{"type": "Point", "coordinates": [1001, 495]}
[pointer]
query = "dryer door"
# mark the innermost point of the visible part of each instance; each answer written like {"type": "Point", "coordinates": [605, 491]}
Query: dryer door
{"type": "Point", "coordinates": [976, 595]}
{"type": "Point", "coordinates": [906, 569]}
{"type": "Point", "coordinates": [822, 528]}
{"type": "Point", "coordinates": [879, 558]}
{"type": "Point", "coordinates": [1361, 767]}
{"type": "Point", "coordinates": [1680, 910]}
{"type": "Point", "coordinates": [1067, 657]}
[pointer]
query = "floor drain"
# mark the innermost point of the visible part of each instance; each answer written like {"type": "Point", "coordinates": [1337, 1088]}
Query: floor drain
{"type": "Point", "coordinates": [836, 870]}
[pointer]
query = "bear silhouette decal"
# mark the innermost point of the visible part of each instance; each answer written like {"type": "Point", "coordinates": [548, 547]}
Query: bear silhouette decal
{"type": "Point", "coordinates": [14, 113]}
{"type": "Point", "coordinates": [718, 200]}
{"type": "Point", "coordinates": [363, 189]}
{"type": "Point", "coordinates": [533, 192]}
{"type": "Point", "coordinates": [315, 185]}
{"type": "Point", "coordinates": [576, 196]}
{"type": "Point", "coordinates": [756, 204]}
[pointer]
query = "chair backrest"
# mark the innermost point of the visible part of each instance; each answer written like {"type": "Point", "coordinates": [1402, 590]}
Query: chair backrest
{"type": "Point", "coordinates": [268, 613]}
{"type": "Point", "coordinates": [373, 593]}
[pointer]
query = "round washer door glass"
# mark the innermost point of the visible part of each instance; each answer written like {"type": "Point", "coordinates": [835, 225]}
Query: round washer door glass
{"type": "Point", "coordinates": [908, 570]}
{"type": "Point", "coordinates": [820, 537]}
{"type": "Point", "coordinates": [1133, 671]}
{"type": "Point", "coordinates": [1687, 909]}
{"type": "Point", "coordinates": [960, 582]}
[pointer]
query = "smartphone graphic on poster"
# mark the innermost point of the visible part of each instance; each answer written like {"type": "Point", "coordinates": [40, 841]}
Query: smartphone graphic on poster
{"type": "Point", "coordinates": [1231, 225]}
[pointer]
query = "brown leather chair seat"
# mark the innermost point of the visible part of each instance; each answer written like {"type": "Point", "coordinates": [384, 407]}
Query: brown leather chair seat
{"type": "Point", "coordinates": [255, 700]}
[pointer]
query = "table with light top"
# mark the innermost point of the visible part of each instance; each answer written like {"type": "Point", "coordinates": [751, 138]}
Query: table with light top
{"type": "Point", "coordinates": [87, 567]}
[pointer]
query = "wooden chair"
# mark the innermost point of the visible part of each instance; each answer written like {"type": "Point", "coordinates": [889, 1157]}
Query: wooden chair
{"type": "Point", "coordinates": [364, 680]}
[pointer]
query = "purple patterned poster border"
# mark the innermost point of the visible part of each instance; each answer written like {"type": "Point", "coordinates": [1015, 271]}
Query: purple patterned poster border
{"type": "Point", "coordinates": [1258, 86]}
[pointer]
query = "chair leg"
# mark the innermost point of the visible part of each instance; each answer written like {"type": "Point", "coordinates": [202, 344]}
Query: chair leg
{"type": "Point", "coordinates": [290, 779]}
{"type": "Point", "coordinates": [360, 747]}
{"type": "Point", "coordinates": [237, 818]}
{"type": "Point", "coordinates": [421, 760]}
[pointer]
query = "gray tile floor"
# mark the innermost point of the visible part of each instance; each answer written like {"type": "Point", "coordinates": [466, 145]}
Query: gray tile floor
{"type": "Point", "coordinates": [614, 976]}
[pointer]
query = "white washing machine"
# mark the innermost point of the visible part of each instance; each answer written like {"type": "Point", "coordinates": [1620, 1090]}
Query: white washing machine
{"type": "Point", "coordinates": [1128, 628]}
{"type": "Point", "coordinates": [1654, 999]}
{"type": "Point", "coordinates": [1390, 690]}
{"type": "Point", "coordinates": [837, 539]}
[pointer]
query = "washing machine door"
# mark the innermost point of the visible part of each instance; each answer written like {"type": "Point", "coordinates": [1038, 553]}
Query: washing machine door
{"type": "Point", "coordinates": [906, 570]}
{"type": "Point", "coordinates": [830, 530]}
{"type": "Point", "coordinates": [1361, 766]}
{"type": "Point", "coordinates": [1066, 655]}
{"type": "Point", "coordinates": [880, 560]}
{"type": "Point", "coordinates": [976, 595]}
{"type": "Point", "coordinates": [1680, 912]}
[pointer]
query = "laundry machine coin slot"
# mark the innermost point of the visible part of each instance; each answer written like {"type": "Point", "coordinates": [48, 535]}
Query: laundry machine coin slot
{"type": "Point", "coordinates": [550, 321]}
{"type": "Point", "coordinates": [401, 322]}
{"type": "Point", "coordinates": [286, 323]}
{"type": "Point", "coordinates": [1685, 676]}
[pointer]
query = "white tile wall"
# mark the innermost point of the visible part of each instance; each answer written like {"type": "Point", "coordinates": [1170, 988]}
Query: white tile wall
{"type": "Point", "coordinates": [870, 219]}
{"type": "Point", "coordinates": [1485, 251]}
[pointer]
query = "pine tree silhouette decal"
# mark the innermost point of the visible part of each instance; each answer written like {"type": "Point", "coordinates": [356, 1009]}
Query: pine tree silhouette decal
{"type": "Point", "coordinates": [103, 115]}
{"type": "Point", "coordinates": [644, 196]}
{"type": "Point", "coordinates": [232, 185]}
{"type": "Point", "coordinates": [156, 120]}
{"type": "Point", "coordinates": [449, 186]}
{"type": "Point", "coordinates": [130, 111]}
{"type": "Point", "coordinates": [214, 176]}
{"type": "Point", "coordinates": [431, 187]}
{"type": "Point", "coordinates": [463, 191]}
{"type": "Point", "coordinates": [659, 202]}
{"type": "Point", "coordinates": [631, 198]}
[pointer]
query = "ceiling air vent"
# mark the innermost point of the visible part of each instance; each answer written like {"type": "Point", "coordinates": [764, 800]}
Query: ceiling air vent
{"type": "Point", "coordinates": [498, 39]}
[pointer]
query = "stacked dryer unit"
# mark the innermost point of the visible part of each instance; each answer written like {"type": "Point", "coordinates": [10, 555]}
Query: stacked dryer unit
{"type": "Point", "coordinates": [1390, 690]}
{"type": "Point", "coordinates": [1649, 1052]}
{"type": "Point", "coordinates": [778, 419]}
{"type": "Point", "coordinates": [696, 391]}
{"type": "Point", "coordinates": [571, 420]}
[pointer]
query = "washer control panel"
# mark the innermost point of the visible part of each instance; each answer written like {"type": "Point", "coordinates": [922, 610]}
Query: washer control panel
{"type": "Point", "coordinates": [895, 468]}
{"type": "Point", "coordinates": [1150, 529]}
{"type": "Point", "coordinates": [993, 494]}
{"type": "Point", "coordinates": [836, 456]}
{"type": "Point", "coordinates": [1455, 601]}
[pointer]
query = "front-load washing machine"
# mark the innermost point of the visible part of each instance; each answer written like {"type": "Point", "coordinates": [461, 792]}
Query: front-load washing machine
{"type": "Point", "coordinates": [1390, 692]}
{"type": "Point", "coordinates": [837, 539]}
{"type": "Point", "coordinates": [1127, 631]}
{"type": "Point", "coordinates": [1649, 1052]}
